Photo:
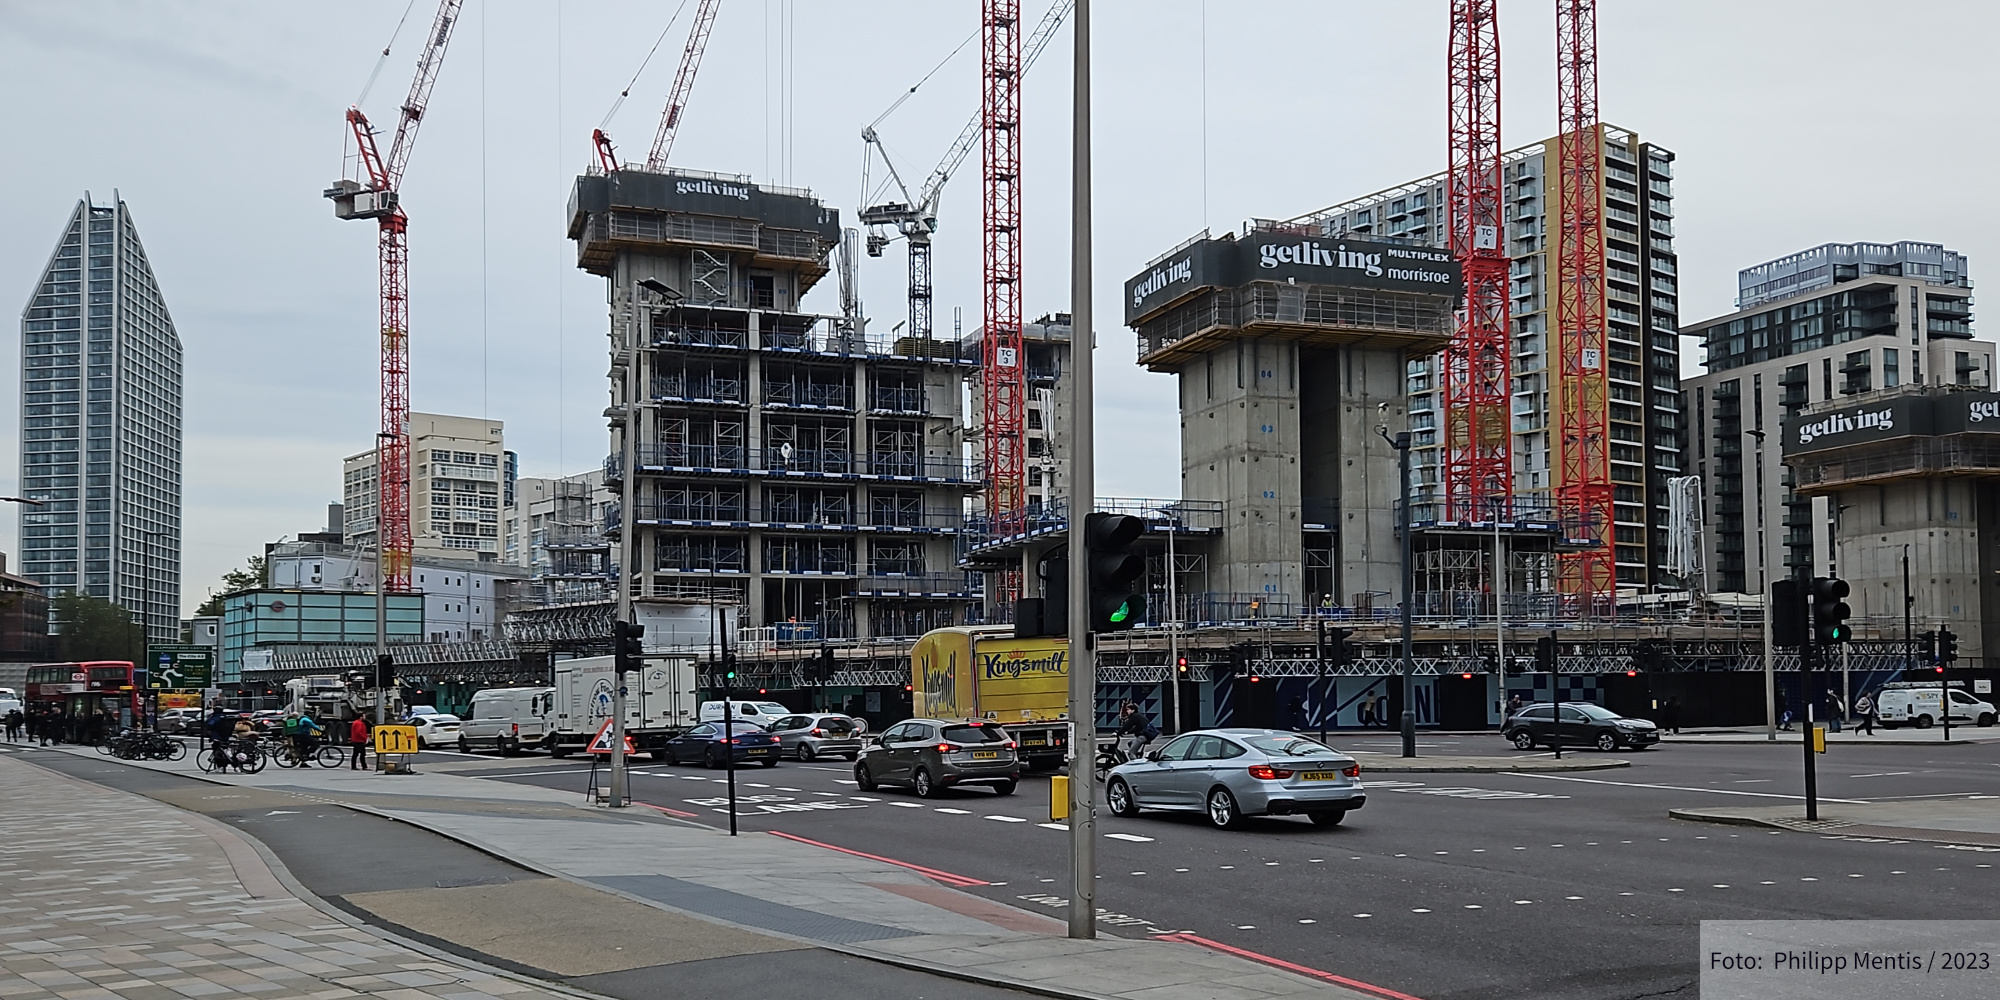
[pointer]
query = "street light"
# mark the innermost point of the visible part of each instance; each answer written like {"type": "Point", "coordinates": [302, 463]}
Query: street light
{"type": "Point", "coordinates": [1173, 686]}
{"type": "Point", "coordinates": [1401, 442]}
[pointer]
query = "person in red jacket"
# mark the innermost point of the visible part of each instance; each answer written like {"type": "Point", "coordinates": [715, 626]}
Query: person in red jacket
{"type": "Point", "coordinates": [357, 737]}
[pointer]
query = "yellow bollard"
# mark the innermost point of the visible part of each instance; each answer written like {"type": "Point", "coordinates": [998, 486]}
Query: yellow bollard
{"type": "Point", "coordinates": [1819, 739]}
{"type": "Point", "coordinates": [1058, 796]}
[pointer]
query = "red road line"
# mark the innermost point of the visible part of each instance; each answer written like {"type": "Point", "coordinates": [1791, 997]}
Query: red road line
{"type": "Point", "coordinates": [671, 812]}
{"type": "Point", "coordinates": [961, 881]}
{"type": "Point", "coordinates": [1304, 970]}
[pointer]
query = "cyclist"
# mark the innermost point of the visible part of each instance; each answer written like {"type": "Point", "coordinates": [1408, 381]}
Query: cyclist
{"type": "Point", "coordinates": [1135, 730]}
{"type": "Point", "coordinates": [308, 735]}
{"type": "Point", "coordinates": [218, 729]}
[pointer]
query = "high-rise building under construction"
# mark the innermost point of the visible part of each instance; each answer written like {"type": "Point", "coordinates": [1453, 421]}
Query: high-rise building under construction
{"type": "Point", "coordinates": [1642, 304]}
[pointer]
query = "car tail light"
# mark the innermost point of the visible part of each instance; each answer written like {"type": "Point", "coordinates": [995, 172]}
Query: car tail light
{"type": "Point", "coordinates": [1266, 772]}
{"type": "Point", "coordinates": [816, 731]}
{"type": "Point", "coordinates": [1013, 745]}
{"type": "Point", "coordinates": [517, 729]}
{"type": "Point", "coordinates": [945, 748]}
{"type": "Point", "coordinates": [1352, 770]}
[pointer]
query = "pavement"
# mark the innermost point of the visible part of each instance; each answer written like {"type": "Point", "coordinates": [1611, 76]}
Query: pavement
{"type": "Point", "coordinates": [1960, 819]}
{"type": "Point", "coordinates": [587, 874]}
{"type": "Point", "coordinates": [1960, 735]}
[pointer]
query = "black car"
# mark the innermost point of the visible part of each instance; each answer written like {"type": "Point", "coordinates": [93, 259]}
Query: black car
{"type": "Point", "coordinates": [1583, 725]}
{"type": "Point", "coordinates": [706, 744]}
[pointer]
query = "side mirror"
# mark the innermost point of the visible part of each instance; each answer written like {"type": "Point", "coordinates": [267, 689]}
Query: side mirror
{"type": "Point", "coordinates": [1154, 755]}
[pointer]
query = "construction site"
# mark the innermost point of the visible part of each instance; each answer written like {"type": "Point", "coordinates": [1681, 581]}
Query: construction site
{"type": "Point", "coordinates": [1484, 360]}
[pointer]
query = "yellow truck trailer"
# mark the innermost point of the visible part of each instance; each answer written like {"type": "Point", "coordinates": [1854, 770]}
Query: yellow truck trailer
{"type": "Point", "coordinates": [983, 672]}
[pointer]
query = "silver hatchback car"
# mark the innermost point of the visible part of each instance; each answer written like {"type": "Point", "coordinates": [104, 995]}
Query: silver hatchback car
{"type": "Point", "coordinates": [815, 735]}
{"type": "Point", "coordinates": [1231, 773]}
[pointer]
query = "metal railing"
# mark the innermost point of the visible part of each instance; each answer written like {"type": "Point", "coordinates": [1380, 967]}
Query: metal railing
{"type": "Point", "coordinates": [738, 458]}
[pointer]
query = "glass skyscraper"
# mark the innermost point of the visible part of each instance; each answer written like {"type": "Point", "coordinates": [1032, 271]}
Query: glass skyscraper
{"type": "Point", "coordinates": [101, 423]}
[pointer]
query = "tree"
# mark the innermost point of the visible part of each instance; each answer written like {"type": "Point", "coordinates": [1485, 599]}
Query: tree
{"type": "Point", "coordinates": [92, 628]}
{"type": "Point", "coordinates": [236, 581]}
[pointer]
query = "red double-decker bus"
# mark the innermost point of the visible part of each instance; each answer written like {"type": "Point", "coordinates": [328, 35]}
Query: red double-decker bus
{"type": "Point", "coordinates": [114, 687]}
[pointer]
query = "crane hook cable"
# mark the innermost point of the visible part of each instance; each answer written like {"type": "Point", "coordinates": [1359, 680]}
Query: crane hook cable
{"type": "Point", "coordinates": [627, 92]}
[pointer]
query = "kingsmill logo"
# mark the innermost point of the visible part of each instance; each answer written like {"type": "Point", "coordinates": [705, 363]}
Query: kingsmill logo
{"type": "Point", "coordinates": [1170, 274]}
{"type": "Point", "coordinates": [1977, 411]}
{"type": "Point", "coordinates": [1012, 665]}
{"type": "Point", "coordinates": [1842, 423]}
{"type": "Point", "coordinates": [940, 684]}
{"type": "Point", "coordinates": [736, 191]}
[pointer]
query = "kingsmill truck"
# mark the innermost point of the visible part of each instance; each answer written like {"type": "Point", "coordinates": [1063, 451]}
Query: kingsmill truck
{"type": "Point", "coordinates": [983, 672]}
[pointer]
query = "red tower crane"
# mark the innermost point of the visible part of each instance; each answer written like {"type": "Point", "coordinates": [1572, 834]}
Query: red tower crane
{"type": "Point", "coordinates": [670, 119]}
{"type": "Point", "coordinates": [1478, 439]}
{"type": "Point", "coordinates": [378, 198]}
{"type": "Point", "coordinates": [1584, 491]}
{"type": "Point", "coordinates": [1005, 383]}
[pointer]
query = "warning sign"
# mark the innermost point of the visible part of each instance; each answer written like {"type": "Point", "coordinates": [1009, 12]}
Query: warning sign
{"type": "Point", "coordinates": [601, 743]}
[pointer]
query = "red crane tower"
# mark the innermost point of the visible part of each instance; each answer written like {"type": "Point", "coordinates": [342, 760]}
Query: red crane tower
{"type": "Point", "coordinates": [1478, 439]}
{"type": "Point", "coordinates": [1582, 410]}
{"type": "Point", "coordinates": [1005, 383]}
{"type": "Point", "coordinates": [670, 119]}
{"type": "Point", "coordinates": [378, 198]}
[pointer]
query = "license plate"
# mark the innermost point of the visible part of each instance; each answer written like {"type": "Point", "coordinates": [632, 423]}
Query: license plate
{"type": "Point", "coordinates": [1320, 775]}
{"type": "Point", "coordinates": [985, 755]}
{"type": "Point", "coordinates": [1034, 743]}
{"type": "Point", "coordinates": [753, 751]}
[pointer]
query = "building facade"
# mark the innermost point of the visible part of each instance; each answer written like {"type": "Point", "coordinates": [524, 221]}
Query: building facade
{"type": "Point", "coordinates": [1642, 305]}
{"type": "Point", "coordinates": [1824, 327]}
{"type": "Point", "coordinates": [461, 489]}
{"type": "Point", "coordinates": [557, 534]}
{"type": "Point", "coordinates": [464, 600]}
{"type": "Point", "coordinates": [785, 462]}
{"type": "Point", "coordinates": [24, 620]}
{"type": "Point", "coordinates": [269, 618]}
{"type": "Point", "coordinates": [101, 423]}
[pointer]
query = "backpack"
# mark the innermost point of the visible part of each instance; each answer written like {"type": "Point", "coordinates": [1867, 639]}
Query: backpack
{"type": "Point", "coordinates": [1151, 732]}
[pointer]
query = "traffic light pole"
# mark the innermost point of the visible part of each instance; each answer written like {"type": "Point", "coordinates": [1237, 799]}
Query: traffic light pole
{"type": "Point", "coordinates": [1806, 656]}
{"type": "Point", "coordinates": [1401, 442]}
{"type": "Point", "coordinates": [1082, 501]}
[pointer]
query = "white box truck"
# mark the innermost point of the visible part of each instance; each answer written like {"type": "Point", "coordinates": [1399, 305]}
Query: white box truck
{"type": "Point", "coordinates": [659, 702]}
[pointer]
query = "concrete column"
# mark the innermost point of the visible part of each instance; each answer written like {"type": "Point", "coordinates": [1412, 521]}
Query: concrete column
{"type": "Point", "coordinates": [1373, 392]}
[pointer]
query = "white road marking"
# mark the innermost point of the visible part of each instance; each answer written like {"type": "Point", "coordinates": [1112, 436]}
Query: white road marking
{"type": "Point", "coordinates": [1525, 902]}
{"type": "Point", "coordinates": [1670, 788]}
{"type": "Point", "coordinates": [1419, 910]}
{"type": "Point", "coordinates": [753, 784]}
{"type": "Point", "coordinates": [1246, 927]}
{"type": "Point", "coordinates": [1133, 837]}
{"type": "Point", "coordinates": [907, 805]}
{"type": "Point", "coordinates": [1274, 864]}
{"type": "Point", "coordinates": [784, 789]}
{"type": "Point", "coordinates": [845, 781]}
{"type": "Point", "coordinates": [1719, 885]}
{"type": "Point", "coordinates": [1572, 897]}
{"type": "Point", "coordinates": [1054, 826]}
{"type": "Point", "coordinates": [815, 792]}
{"type": "Point", "coordinates": [1180, 869]}
{"type": "Point", "coordinates": [692, 777]}
{"type": "Point", "coordinates": [1226, 867]}
{"type": "Point", "coordinates": [1811, 879]}
{"type": "Point", "coordinates": [1767, 882]}
{"type": "Point", "coordinates": [954, 812]}
{"type": "Point", "coordinates": [1878, 774]}
{"type": "Point", "coordinates": [863, 798]}
{"type": "Point", "coordinates": [1308, 921]}
{"type": "Point", "coordinates": [1474, 906]}
{"type": "Point", "coordinates": [1364, 916]}
{"type": "Point", "coordinates": [1138, 873]}
{"type": "Point", "coordinates": [1007, 819]}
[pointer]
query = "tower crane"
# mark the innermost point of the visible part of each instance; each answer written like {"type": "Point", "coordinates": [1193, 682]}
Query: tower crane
{"type": "Point", "coordinates": [378, 197]}
{"type": "Point", "coordinates": [670, 119]}
{"type": "Point", "coordinates": [914, 219]}
{"type": "Point", "coordinates": [1584, 492]}
{"type": "Point", "coordinates": [1478, 439]}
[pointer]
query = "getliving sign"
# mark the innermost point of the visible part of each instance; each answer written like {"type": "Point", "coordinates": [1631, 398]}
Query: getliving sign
{"type": "Point", "coordinates": [1288, 258]}
{"type": "Point", "coordinates": [1900, 416]}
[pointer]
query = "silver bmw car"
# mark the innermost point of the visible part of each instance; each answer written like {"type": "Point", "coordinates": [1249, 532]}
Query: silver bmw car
{"type": "Point", "coordinates": [1231, 773]}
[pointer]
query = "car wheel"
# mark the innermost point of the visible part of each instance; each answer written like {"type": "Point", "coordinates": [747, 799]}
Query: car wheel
{"type": "Point", "coordinates": [659, 756]}
{"type": "Point", "coordinates": [1523, 740]}
{"type": "Point", "coordinates": [1119, 795]}
{"type": "Point", "coordinates": [1986, 719]}
{"type": "Point", "coordinates": [464, 747]}
{"type": "Point", "coordinates": [1331, 817]}
{"type": "Point", "coordinates": [710, 760]}
{"type": "Point", "coordinates": [1222, 809]}
{"type": "Point", "coordinates": [1005, 787]}
{"type": "Point", "coordinates": [862, 778]}
{"type": "Point", "coordinates": [509, 747]}
{"type": "Point", "coordinates": [421, 745]}
{"type": "Point", "coordinates": [922, 784]}
{"type": "Point", "coordinates": [558, 751]}
{"type": "Point", "coordinates": [1925, 722]}
{"type": "Point", "coordinates": [806, 751]}
{"type": "Point", "coordinates": [1607, 741]}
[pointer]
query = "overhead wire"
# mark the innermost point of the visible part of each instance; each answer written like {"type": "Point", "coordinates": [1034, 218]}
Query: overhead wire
{"type": "Point", "coordinates": [383, 59]}
{"type": "Point", "coordinates": [907, 94]}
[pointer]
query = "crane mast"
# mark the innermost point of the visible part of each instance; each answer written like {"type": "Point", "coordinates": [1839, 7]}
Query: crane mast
{"type": "Point", "coordinates": [379, 199]}
{"type": "Point", "coordinates": [670, 119]}
{"type": "Point", "coordinates": [1004, 403]}
{"type": "Point", "coordinates": [1584, 492]}
{"type": "Point", "coordinates": [1478, 438]}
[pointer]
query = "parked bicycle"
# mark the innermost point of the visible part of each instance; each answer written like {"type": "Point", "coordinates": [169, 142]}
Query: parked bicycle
{"type": "Point", "coordinates": [142, 744]}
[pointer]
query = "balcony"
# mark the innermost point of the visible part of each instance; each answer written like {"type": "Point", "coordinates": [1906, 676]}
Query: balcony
{"type": "Point", "coordinates": [709, 459]}
{"type": "Point", "coordinates": [809, 396]}
{"type": "Point", "coordinates": [698, 389]}
{"type": "Point", "coordinates": [897, 399]}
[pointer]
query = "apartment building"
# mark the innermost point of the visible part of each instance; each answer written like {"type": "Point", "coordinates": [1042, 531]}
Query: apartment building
{"type": "Point", "coordinates": [1642, 304]}
{"type": "Point", "coordinates": [461, 489]}
{"type": "Point", "coordinates": [101, 423]}
{"type": "Point", "coordinates": [1046, 342]}
{"type": "Point", "coordinates": [1838, 323]}
{"type": "Point", "coordinates": [557, 534]}
{"type": "Point", "coordinates": [789, 463]}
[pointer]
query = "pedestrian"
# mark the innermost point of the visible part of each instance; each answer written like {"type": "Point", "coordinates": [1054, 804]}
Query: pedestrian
{"type": "Point", "coordinates": [1864, 707]}
{"type": "Point", "coordinates": [1835, 711]}
{"type": "Point", "coordinates": [357, 741]}
{"type": "Point", "coordinates": [1670, 713]}
{"type": "Point", "coordinates": [13, 725]}
{"type": "Point", "coordinates": [1368, 709]}
{"type": "Point", "coordinates": [1785, 721]}
{"type": "Point", "coordinates": [1295, 716]}
{"type": "Point", "coordinates": [1514, 706]}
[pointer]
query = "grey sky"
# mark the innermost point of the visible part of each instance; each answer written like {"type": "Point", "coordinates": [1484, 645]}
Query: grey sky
{"type": "Point", "coordinates": [1796, 122]}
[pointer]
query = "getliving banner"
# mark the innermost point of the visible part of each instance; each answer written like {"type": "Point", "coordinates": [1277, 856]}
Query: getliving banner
{"type": "Point", "coordinates": [1286, 257]}
{"type": "Point", "coordinates": [1903, 416]}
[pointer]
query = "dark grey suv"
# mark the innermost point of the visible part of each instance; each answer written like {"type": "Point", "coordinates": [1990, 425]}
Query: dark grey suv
{"type": "Point", "coordinates": [932, 754]}
{"type": "Point", "coordinates": [818, 734]}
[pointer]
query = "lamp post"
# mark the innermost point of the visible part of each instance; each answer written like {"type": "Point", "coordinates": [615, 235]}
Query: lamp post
{"type": "Point", "coordinates": [1401, 442]}
{"type": "Point", "coordinates": [1764, 588]}
{"type": "Point", "coordinates": [1171, 710]}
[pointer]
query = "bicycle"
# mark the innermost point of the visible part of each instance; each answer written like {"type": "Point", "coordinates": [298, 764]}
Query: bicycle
{"type": "Point", "coordinates": [246, 757]}
{"type": "Point", "coordinates": [325, 755]}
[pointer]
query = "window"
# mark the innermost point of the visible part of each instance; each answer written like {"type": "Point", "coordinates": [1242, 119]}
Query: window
{"type": "Point", "coordinates": [1892, 375]}
{"type": "Point", "coordinates": [1178, 749]}
{"type": "Point", "coordinates": [974, 734]}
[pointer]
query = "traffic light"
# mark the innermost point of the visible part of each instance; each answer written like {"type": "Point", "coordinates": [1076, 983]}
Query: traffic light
{"type": "Point", "coordinates": [823, 667]}
{"type": "Point", "coordinates": [1947, 647]}
{"type": "Point", "coordinates": [626, 650]}
{"type": "Point", "coordinates": [1342, 649]}
{"type": "Point", "coordinates": [1545, 654]}
{"type": "Point", "coordinates": [1829, 611]}
{"type": "Point", "coordinates": [1046, 616]}
{"type": "Point", "coordinates": [1181, 667]}
{"type": "Point", "coordinates": [1786, 622]}
{"type": "Point", "coordinates": [1114, 570]}
{"type": "Point", "coordinates": [1927, 647]}
{"type": "Point", "coordinates": [385, 671]}
{"type": "Point", "coordinates": [1239, 661]}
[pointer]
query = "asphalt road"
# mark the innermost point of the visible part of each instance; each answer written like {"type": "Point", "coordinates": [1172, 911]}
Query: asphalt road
{"type": "Point", "coordinates": [1444, 886]}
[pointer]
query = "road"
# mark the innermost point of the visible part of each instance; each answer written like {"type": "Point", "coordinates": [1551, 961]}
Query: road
{"type": "Point", "coordinates": [1445, 886]}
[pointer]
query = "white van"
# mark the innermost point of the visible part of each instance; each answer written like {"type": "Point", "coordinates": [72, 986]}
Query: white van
{"type": "Point", "coordinates": [507, 719]}
{"type": "Point", "coordinates": [762, 713]}
{"type": "Point", "coordinates": [1916, 704]}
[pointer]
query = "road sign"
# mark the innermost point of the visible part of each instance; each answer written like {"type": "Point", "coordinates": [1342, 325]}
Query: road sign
{"type": "Point", "coordinates": [179, 668]}
{"type": "Point", "coordinates": [395, 739]}
{"type": "Point", "coordinates": [601, 743]}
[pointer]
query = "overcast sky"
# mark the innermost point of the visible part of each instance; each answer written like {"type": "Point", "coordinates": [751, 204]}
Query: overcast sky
{"type": "Point", "coordinates": [1796, 122]}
